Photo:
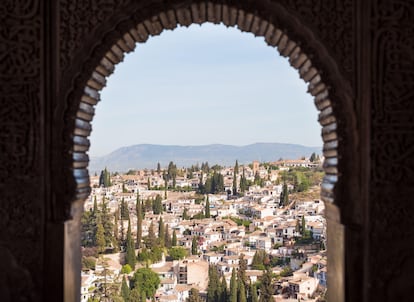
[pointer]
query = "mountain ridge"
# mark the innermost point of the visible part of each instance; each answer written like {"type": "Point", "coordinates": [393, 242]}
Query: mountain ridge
{"type": "Point", "coordinates": [142, 156]}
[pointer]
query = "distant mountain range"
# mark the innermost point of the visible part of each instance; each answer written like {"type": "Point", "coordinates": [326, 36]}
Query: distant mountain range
{"type": "Point", "coordinates": [147, 156]}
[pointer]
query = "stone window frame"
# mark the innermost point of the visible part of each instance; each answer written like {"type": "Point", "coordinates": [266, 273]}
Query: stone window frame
{"type": "Point", "coordinates": [132, 32]}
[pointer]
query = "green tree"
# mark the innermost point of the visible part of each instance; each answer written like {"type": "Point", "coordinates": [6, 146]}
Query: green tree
{"type": "Point", "coordinates": [167, 237]}
{"type": "Point", "coordinates": [241, 291]}
{"type": "Point", "coordinates": [235, 172]}
{"type": "Point", "coordinates": [312, 157]}
{"type": "Point", "coordinates": [241, 272]}
{"type": "Point", "coordinates": [151, 238]}
{"type": "Point", "coordinates": [106, 219]}
{"type": "Point", "coordinates": [126, 269]}
{"type": "Point", "coordinates": [130, 257]}
{"type": "Point", "coordinates": [125, 291]}
{"type": "Point", "coordinates": [223, 290]}
{"type": "Point", "coordinates": [266, 288]}
{"type": "Point", "coordinates": [207, 208]}
{"type": "Point", "coordinates": [194, 246]}
{"type": "Point", "coordinates": [233, 287]}
{"type": "Point", "coordinates": [138, 208]}
{"type": "Point", "coordinates": [161, 232]}
{"type": "Point", "coordinates": [124, 210]}
{"type": "Point", "coordinates": [100, 237]}
{"type": "Point", "coordinates": [303, 226]}
{"type": "Point", "coordinates": [174, 239]}
{"type": "Point", "coordinates": [213, 288]}
{"type": "Point", "coordinates": [157, 205]}
{"type": "Point", "coordinates": [284, 196]}
{"type": "Point", "coordinates": [146, 280]}
{"type": "Point", "coordinates": [135, 296]}
{"type": "Point", "coordinates": [185, 214]}
{"type": "Point", "coordinates": [158, 168]}
{"type": "Point", "coordinates": [253, 293]}
{"type": "Point", "coordinates": [105, 178]}
{"type": "Point", "coordinates": [177, 253]}
{"type": "Point", "coordinates": [194, 296]}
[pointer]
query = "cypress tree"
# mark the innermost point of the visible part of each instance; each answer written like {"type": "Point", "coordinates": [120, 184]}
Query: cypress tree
{"type": "Point", "coordinates": [253, 293]}
{"type": "Point", "coordinates": [241, 273]}
{"type": "Point", "coordinates": [100, 236]}
{"type": "Point", "coordinates": [194, 246]}
{"type": "Point", "coordinates": [174, 239]}
{"type": "Point", "coordinates": [207, 208]}
{"type": "Point", "coordinates": [213, 284]}
{"type": "Point", "coordinates": [106, 219]}
{"type": "Point", "coordinates": [95, 206]}
{"type": "Point", "coordinates": [235, 172]}
{"type": "Point", "coordinates": [125, 291]}
{"type": "Point", "coordinates": [167, 237]}
{"type": "Point", "coordinates": [185, 215]}
{"type": "Point", "coordinates": [223, 296]}
{"type": "Point", "coordinates": [266, 288]}
{"type": "Point", "coordinates": [241, 291]}
{"type": "Point", "coordinates": [151, 239]}
{"type": "Point", "coordinates": [233, 287]}
{"type": "Point", "coordinates": [130, 257]}
{"type": "Point", "coordinates": [161, 232]}
{"type": "Point", "coordinates": [135, 295]}
{"type": "Point", "coordinates": [138, 207]}
{"type": "Point", "coordinates": [303, 226]}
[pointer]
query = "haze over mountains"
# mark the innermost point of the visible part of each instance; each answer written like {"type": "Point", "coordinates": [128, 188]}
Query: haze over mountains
{"type": "Point", "coordinates": [147, 156]}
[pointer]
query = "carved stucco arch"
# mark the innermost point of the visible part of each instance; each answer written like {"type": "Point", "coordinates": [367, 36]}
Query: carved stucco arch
{"type": "Point", "coordinates": [279, 29]}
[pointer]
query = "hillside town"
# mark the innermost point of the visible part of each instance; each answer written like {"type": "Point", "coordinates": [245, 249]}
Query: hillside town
{"type": "Point", "coordinates": [252, 232]}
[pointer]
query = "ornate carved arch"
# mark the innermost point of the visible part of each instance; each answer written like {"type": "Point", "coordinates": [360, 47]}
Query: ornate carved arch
{"type": "Point", "coordinates": [135, 23]}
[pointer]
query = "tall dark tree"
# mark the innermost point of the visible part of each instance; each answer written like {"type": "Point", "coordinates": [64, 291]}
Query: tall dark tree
{"type": "Point", "coordinates": [223, 290]}
{"type": "Point", "coordinates": [194, 246]}
{"type": "Point", "coordinates": [253, 293]}
{"type": "Point", "coordinates": [107, 223]}
{"type": "Point", "coordinates": [151, 239]}
{"type": "Point", "coordinates": [161, 232]}
{"type": "Point", "coordinates": [105, 178]}
{"type": "Point", "coordinates": [138, 207]}
{"type": "Point", "coordinates": [207, 208]}
{"type": "Point", "coordinates": [266, 288]}
{"type": "Point", "coordinates": [235, 172]}
{"type": "Point", "coordinates": [157, 205]}
{"type": "Point", "coordinates": [243, 182]}
{"type": "Point", "coordinates": [284, 196]}
{"type": "Point", "coordinates": [213, 288]}
{"type": "Point", "coordinates": [241, 272]}
{"type": "Point", "coordinates": [125, 291]}
{"type": "Point", "coordinates": [124, 210]}
{"type": "Point", "coordinates": [241, 291]}
{"type": "Point", "coordinates": [100, 236]}
{"type": "Point", "coordinates": [95, 206]}
{"type": "Point", "coordinates": [167, 237]}
{"type": "Point", "coordinates": [194, 296]}
{"type": "Point", "coordinates": [158, 168]}
{"type": "Point", "coordinates": [174, 239]}
{"type": "Point", "coordinates": [303, 226]}
{"type": "Point", "coordinates": [233, 287]}
{"type": "Point", "coordinates": [185, 214]}
{"type": "Point", "coordinates": [312, 157]}
{"type": "Point", "coordinates": [130, 257]}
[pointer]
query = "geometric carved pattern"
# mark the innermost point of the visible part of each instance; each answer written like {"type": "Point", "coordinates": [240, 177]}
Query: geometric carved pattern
{"type": "Point", "coordinates": [392, 149]}
{"type": "Point", "coordinates": [21, 229]}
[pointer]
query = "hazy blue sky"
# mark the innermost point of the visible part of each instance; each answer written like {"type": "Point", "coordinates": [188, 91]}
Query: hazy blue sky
{"type": "Point", "coordinates": [202, 85]}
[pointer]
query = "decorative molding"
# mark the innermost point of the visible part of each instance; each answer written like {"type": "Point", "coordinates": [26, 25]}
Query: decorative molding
{"type": "Point", "coordinates": [392, 149]}
{"type": "Point", "coordinates": [21, 229]}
